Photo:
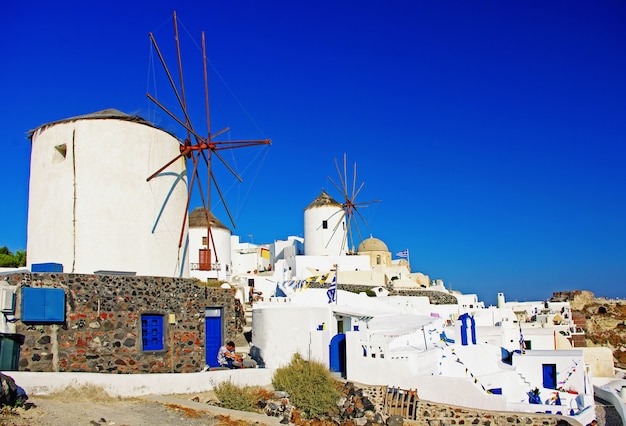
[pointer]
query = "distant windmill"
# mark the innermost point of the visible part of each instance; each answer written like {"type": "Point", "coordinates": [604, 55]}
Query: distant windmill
{"type": "Point", "coordinates": [350, 206]}
{"type": "Point", "coordinates": [196, 146]}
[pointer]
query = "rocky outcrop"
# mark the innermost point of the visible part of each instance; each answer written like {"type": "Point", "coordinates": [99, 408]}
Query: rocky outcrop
{"type": "Point", "coordinates": [11, 395]}
{"type": "Point", "coordinates": [603, 320]}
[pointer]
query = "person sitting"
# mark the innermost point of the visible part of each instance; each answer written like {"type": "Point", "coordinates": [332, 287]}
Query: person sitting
{"type": "Point", "coordinates": [226, 356]}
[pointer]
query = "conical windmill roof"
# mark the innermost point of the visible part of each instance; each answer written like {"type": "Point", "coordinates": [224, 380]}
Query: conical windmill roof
{"type": "Point", "coordinates": [323, 200]}
{"type": "Point", "coordinates": [110, 113]}
{"type": "Point", "coordinates": [197, 219]}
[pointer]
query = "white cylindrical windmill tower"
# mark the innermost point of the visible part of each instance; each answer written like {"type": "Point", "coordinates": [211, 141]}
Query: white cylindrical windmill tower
{"type": "Point", "coordinates": [200, 247]}
{"type": "Point", "coordinates": [501, 300]}
{"type": "Point", "coordinates": [324, 227]}
{"type": "Point", "coordinates": [91, 207]}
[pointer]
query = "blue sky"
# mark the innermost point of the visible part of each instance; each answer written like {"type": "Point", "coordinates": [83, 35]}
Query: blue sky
{"type": "Point", "coordinates": [493, 132]}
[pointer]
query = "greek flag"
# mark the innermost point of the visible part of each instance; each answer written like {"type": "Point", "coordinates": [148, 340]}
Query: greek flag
{"type": "Point", "coordinates": [332, 290]}
{"type": "Point", "coordinates": [403, 253]}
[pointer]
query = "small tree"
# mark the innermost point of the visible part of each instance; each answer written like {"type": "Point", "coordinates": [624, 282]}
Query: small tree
{"type": "Point", "coordinates": [310, 386]}
{"type": "Point", "coordinates": [9, 260]}
{"type": "Point", "coordinates": [20, 256]}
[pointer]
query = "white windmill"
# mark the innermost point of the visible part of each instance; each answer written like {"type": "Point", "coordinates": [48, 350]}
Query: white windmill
{"type": "Point", "coordinates": [329, 225]}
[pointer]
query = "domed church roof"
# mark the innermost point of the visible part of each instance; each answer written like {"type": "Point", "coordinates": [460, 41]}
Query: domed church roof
{"type": "Point", "coordinates": [323, 200]}
{"type": "Point", "coordinates": [371, 244]}
{"type": "Point", "coordinates": [197, 219]}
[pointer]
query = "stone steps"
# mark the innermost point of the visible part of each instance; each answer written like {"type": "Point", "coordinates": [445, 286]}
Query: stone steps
{"type": "Point", "coordinates": [241, 342]}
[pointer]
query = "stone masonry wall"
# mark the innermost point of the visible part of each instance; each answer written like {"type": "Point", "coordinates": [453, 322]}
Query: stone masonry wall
{"type": "Point", "coordinates": [429, 413]}
{"type": "Point", "coordinates": [102, 329]}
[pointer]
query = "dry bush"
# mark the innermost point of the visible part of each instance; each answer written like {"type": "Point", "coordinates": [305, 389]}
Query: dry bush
{"type": "Point", "coordinates": [237, 398]}
{"type": "Point", "coordinates": [310, 386]}
{"type": "Point", "coordinates": [82, 393]}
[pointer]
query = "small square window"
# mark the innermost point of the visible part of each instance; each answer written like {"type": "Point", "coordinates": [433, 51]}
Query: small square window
{"type": "Point", "coordinates": [324, 224]}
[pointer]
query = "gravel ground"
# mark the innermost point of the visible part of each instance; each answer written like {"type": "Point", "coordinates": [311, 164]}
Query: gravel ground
{"type": "Point", "coordinates": [50, 412]}
{"type": "Point", "coordinates": [606, 414]}
{"type": "Point", "coordinates": [93, 407]}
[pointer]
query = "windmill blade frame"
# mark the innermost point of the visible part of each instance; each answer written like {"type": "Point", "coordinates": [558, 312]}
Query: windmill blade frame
{"type": "Point", "coordinates": [350, 206]}
{"type": "Point", "coordinates": [200, 146]}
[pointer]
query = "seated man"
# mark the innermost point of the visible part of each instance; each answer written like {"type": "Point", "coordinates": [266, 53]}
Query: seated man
{"type": "Point", "coordinates": [226, 356]}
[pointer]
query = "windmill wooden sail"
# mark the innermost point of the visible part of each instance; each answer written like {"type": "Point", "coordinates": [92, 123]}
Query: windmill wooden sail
{"type": "Point", "coordinates": [198, 149]}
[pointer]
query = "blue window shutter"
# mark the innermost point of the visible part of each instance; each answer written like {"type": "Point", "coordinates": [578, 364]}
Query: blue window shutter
{"type": "Point", "coordinates": [152, 332]}
{"type": "Point", "coordinates": [43, 305]}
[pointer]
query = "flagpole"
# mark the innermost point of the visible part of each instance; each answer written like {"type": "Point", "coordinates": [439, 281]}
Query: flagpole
{"type": "Point", "coordinates": [336, 282]}
{"type": "Point", "coordinates": [332, 288]}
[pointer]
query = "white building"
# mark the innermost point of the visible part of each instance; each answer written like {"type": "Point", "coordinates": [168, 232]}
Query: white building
{"type": "Point", "coordinates": [91, 207]}
{"type": "Point", "coordinates": [209, 258]}
{"type": "Point", "coordinates": [458, 353]}
{"type": "Point", "coordinates": [319, 256]}
{"type": "Point", "coordinates": [410, 344]}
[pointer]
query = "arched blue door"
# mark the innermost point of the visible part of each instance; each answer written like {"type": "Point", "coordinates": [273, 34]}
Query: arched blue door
{"type": "Point", "coordinates": [338, 354]}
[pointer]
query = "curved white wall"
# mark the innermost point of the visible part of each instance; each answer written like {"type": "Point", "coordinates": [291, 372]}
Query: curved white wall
{"type": "Point", "coordinates": [320, 241]}
{"type": "Point", "coordinates": [93, 209]}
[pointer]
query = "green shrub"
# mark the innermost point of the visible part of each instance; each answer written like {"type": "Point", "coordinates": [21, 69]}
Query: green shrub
{"type": "Point", "coordinates": [310, 386]}
{"type": "Point", "coordinates": [236, 398]}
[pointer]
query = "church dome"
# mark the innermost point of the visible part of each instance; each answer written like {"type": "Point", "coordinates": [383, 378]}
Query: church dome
{"type": "Point", "coordinates": [371, 244]}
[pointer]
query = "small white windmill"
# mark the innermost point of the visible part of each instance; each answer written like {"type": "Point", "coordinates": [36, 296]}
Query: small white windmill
{"type": "Point", "coordinates": [350, 207]}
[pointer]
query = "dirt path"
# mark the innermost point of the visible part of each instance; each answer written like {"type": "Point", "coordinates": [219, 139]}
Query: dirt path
{"type": "Point", "coordinates": [131, 412]}
{"type": "Point", "coordinates": [94, 408]}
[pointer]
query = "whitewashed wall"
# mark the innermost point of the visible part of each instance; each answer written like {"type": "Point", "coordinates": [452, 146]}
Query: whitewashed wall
{"type": "Point", "coordinates": [319, 241]}
{"type": "Point", "coordinates": [93, 209]}
{"type": "Point", "coordinates": [305, 266]}
{"type": "Point", "coordinates": [281, 330]}
{"type": "Point", "coordinates": [403, 374]}
{"type": "Point", "coordinates": [570, 367]}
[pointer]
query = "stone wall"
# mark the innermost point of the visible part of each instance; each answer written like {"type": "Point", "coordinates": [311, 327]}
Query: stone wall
{"type": "Point", "coordinates": [426, 413]}
{"type": "Point", "coordinates": [102, 327]}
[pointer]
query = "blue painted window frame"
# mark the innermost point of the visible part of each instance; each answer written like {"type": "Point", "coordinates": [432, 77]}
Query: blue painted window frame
{"type": "Point", "coordinates": [152, 332]}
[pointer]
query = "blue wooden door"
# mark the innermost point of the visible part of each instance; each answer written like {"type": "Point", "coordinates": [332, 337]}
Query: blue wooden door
{"type": "Point", "coordinates": [549, 376]}
{"type": "Point", "coordinates": [213, 335]}
{"type": "Point", "coordinates": [338, 354]}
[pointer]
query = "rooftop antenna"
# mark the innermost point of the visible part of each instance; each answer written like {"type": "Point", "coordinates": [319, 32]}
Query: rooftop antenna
{"type": "Point", "coordinates": [194, 147]}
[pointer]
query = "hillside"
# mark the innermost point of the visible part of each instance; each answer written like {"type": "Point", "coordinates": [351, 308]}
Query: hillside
{"type": "Point", "coordinates": [605, 322]}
